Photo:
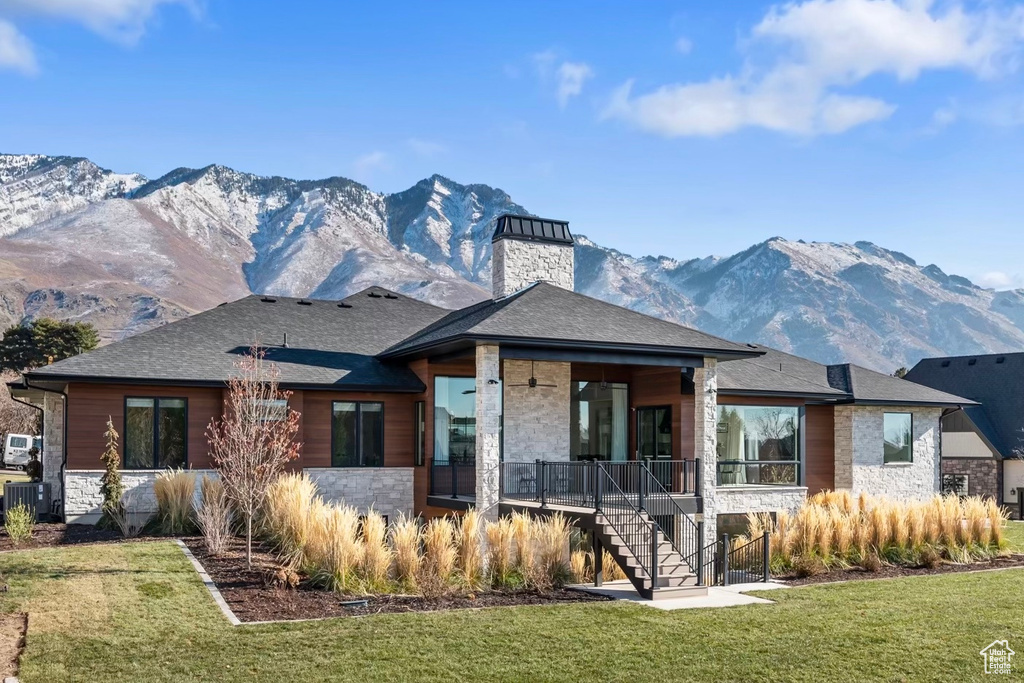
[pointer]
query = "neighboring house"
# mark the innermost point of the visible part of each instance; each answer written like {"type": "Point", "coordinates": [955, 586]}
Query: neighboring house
{"type": "Point", "coordinates": [982, 444]}
{"type": "Point", "coordinates": [414, 409]}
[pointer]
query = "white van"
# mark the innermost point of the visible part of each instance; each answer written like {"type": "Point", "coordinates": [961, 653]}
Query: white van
{"type": "Point", "coordinates": [16, 449]}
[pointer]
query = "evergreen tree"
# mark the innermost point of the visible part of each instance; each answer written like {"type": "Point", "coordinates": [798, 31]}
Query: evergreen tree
{"type": "Point", "coordinates": [44, 341]}
{"type": "Point", "coordinates": [110, 483]}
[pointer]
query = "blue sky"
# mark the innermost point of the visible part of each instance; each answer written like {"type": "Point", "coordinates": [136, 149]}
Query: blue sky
{"type": "Point", "coordinates": [678, 128]}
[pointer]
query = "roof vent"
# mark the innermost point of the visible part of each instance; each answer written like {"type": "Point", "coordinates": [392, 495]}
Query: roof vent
{"type": "Point", "coordinates": [973, 361]}
{"type": "Point", "coordinates": [304, 302]}
{"type": "Point", "coordinates": [945, 363]}
{"type": "Point", "coordinates": [389, 295]}
{"type": "Point", "coordinates": [342, 304]}
{"type": "Point", "coordinates": [269, 300]}
{"type": "Point", "coordinates": [1001, 359]}
{"type": "Point", "coordinates": [373, 295]}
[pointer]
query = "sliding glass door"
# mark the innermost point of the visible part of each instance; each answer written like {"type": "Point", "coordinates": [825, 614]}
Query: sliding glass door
{"type": "Point", "coordinates": [598, 427]}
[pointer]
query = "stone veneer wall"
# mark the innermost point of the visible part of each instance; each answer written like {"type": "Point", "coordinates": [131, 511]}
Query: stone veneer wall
{"type": "Point", "coordinates": [53, 443]}
{"type": "Point", "coordinates": [519, 263]}
{"type": "Point", "coordinates": [536, 420]}
{"type": "Point", "coordinates": [983, 474]}
{"type": "Point", "coordinates": [388, 490]}
{"type": "Point", "coordinates": [705, 441]}
{"type": "Point", "coordinates": [860, 463]}
{"type": "Point", "coordinates": [488, 432]}
{"type": "Point", "coordinates": [744, 499]}
{"type": "Point", "coordinates": [84, 499]}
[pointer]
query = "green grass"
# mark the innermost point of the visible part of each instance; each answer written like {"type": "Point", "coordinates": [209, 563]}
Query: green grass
{"type": "Point", "coordinates": [1015, 536]}
{"type": "Point", "coordinates": [137, 612]}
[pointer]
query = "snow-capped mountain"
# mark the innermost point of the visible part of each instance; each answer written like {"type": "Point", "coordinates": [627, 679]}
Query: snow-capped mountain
{"type": "Point", "coordinates": [78, 241]}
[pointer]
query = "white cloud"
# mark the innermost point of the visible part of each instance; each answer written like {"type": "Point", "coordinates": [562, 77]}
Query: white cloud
{"type": "Point", "coordinates": [999, 280]}
{"type": "Point", "coordinates": [121, 20]}
{"type": "Point", "coordinates": [684, 46]}
{"type": "Point", "coordinates": [369, 163]}
{"type": "Point", "coordinates": [571, 76]}
{"type": "Point", "coordinates": [426, 148]}
{"type": "Point", "coordinates": [820, 48]}
{"type": "Point", "coordinates": [15, 50]}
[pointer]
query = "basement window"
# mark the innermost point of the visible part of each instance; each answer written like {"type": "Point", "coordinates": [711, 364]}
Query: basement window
{"type": "Point", "coordinates": [155, 433]}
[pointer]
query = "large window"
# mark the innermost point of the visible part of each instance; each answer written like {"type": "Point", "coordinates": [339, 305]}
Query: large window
{"type": "Point", "coordinates": [758, 445]}
{"type": "Point", "coordinates": [155, 433]}
{"type": "Point", "coordinates": [357, 434]}
{"type": "Point", "coordinates": [899, 437]}
{"type": "Point", "coordinates": [598, 414]}
{"type": "Point", "coordinates": [454, 419]}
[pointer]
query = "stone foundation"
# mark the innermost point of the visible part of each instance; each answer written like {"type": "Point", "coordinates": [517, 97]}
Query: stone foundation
{"type": "Point", "coordinates": [388, 490]}
{"type": "Point", "coordinates": [743, 499]}
{"type": "Point", "coordinates": [84, 500]}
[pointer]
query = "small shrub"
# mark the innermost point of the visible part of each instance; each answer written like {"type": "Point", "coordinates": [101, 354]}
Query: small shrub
{"type": "Point", "coordinates": [214, 516]}
{"type": "Point", "coordinates": [871, 562]}
{"type": "Point", "coordinates": [127, 518]}
{"type": "Point", "coordinates": [930, 557]}
{"type": "Point", "coordinates": [471, 552]}
{"type": "Point", "coordinates": [175, 490]}
{"type": "Point", "coordinates": [500, 539]}
{"type": "Point", "coordinates": [376, 556]}
{"type": "Point", "coordinates": [111, 487]}
{"type": "Point", "coordinates": [282, 577]}
{"type": "Point", "coordinates": [19, 522]}
{"type": "Point", "coordinates": [406, 539]}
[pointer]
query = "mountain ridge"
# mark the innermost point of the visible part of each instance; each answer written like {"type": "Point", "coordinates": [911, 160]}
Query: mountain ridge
{"type": "Point", "coordinates": [127, 253]}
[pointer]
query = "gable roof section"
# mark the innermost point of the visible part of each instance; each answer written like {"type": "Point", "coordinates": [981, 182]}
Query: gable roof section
{"type": "Point", "coordinates": [780, 373]}
{"type": "Point", "coordinates": [328, 345]}
{"type": "Point", "coordinates": [995, 385]}
{"type": "Point", "coordinates": [544, 313]}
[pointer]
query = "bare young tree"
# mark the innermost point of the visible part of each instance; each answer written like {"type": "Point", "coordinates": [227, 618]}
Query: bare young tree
{"type": "Point", "coordinates": [255, 439]}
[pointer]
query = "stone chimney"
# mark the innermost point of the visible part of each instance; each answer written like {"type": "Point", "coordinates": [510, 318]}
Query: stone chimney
{"type": "Point", "coordinates": [528, 250]}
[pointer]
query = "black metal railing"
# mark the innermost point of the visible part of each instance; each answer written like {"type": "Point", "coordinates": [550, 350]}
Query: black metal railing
{"type": "Point", "coordinates": [779, 472]}
{"type": "Point", "coordinates": [637, 531]}
{"type": "Point", "coordinates": [453, 478]}
{"type": "Point", "coordinates": [685, 535]}
{"type": "Point", "coordinates": [676, 476]}
{"type": "Point", "coordinates": [748, 562]}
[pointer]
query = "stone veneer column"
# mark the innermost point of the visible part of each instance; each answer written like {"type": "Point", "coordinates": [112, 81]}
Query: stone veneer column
{"type": "Point", "coordinates": [536, 425]}
{"type": "Point", "coordinates": [488, 419]}
{"type": "Point", "coordinates": [705, 439]}
{"type": "Point", "coordinates": [53, 443]}
{"type": "Point", "coordinates": [843, 478]}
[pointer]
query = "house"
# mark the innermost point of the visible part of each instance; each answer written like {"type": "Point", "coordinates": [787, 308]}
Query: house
{"type": "Point", "coordinates": [539, 398]}
{"type": "Point", "coordinates": [982, 444]}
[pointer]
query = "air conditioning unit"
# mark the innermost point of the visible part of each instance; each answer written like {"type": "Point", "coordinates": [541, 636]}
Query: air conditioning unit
{"type": "Point", "coordinates": [34, 495]}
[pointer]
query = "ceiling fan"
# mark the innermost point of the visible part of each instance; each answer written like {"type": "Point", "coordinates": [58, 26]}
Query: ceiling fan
{"type": "Point", "coordinates": [532, 382]}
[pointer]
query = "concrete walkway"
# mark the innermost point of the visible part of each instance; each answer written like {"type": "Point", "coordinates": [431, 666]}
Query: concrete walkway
{"type": "Point", "coordinates": [718, 596]}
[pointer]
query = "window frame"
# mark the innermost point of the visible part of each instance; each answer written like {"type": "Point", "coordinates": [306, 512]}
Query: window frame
{"type": "Point", "coordinates": [419, 433]}
{"type": "Point", "coordinates": [910, 445]}
{"type": "Point", "coordinates": [156, 432]}
{"type": "Point", "coordinates": [359, 434]}
{"type": "Point", "coordinates": [799, 462]}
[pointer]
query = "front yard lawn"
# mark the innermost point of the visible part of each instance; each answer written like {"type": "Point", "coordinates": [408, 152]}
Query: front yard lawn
{"type": "Point", "coordinates": [138, 612]}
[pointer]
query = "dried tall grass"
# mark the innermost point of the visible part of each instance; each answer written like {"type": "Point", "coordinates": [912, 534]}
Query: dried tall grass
{"type": "Point", "coordinates": [469, 532]}
{"type": "Point", "coordinates": [334, 548]}
{"type": "Point", "coordinates": [440, 554]}
{"type": "Point", "coordinates": [835, 528]}
{"type": "Point", "coordinates": [581, 564]}
{"type": "Point", "coordinates": [375, 563]}
{"type": "Point", "coordinates": [523, 532]}
{"type": "Point", "coordinates": [500, 539]}
{"type": "Point", "coordinates": [406, 540]}
{"type": "Point", "coordinates": [288, 516]}
{"type": "Point", "coordinates": [214, 515]}
{"type": "Point", "coordinates": [175, 490]}
{"type": "Point", "coordinates": [551, 536]}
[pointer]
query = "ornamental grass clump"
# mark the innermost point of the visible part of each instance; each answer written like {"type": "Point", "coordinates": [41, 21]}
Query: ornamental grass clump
{"type": "Point", "coordinates": [552, 556]}
{"type": "Point", "coordinates": [406, 540]}
{"type": "Point", "coordinates": [287, 519]}
{"type": "Point", "coordinates": [836, 530]}
{"type": "Point", "coordinates": [440, 554]}
{"type": "Point", "coordinates": [334, 547]}
{"type": "Point", "coordinates": [500, 551]}
{"type": "Point", "coordinates": [471, 550]}
{"type": "Point", "coordinates": [214, 516]}
{"type": "Point", "coordinates": [375, 563]}
{"type": "Point", "coordinates": [175, 490]}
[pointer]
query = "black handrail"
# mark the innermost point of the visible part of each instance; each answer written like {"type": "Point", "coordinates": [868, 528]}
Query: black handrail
{"type": "Point", "coordinates": [686, 536]}
{"type": "Point", "coordinates": [639, 535]}
{"type": "Point", "coordinates": [747, 563]}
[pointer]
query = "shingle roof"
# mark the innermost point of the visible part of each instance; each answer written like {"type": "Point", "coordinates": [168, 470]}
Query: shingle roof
{"type": "Point", "coordinates": [327, 344]}
{"type": "Point", "coordinates": [549, 313]}
{"type": "Point", "coordinates": [995, 385]}
{"type": "Point", "coordinates": [777, 372]}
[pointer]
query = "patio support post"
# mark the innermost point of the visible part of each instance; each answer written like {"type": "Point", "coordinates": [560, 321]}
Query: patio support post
{"type": "Point", "coordinates": [767, 554]}
{"type": "Point", "coordinates": [725, 559]}
{"type": "Point", "coordinates": [488, 419]}
{"type": "Point", "coordinates": [598, 560]}
{"type": "Point", "coordinates": [705, 441]}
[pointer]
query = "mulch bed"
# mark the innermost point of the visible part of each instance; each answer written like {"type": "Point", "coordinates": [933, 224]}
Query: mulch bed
{"type": "Point", "coordinates": [889, 572]}
{"type": "Point", "coordinates": [47, 535]}
{"type": "Point", "coordinates": [252, 597]}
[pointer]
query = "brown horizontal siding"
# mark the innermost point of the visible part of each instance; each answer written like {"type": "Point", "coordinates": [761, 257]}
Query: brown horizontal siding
{"type": "Point", "coordinates": [316, 426]}
{"type": "Point", "coordinates": [820, 458]}
{"type": "Point", "coordinates": [89, 406]}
